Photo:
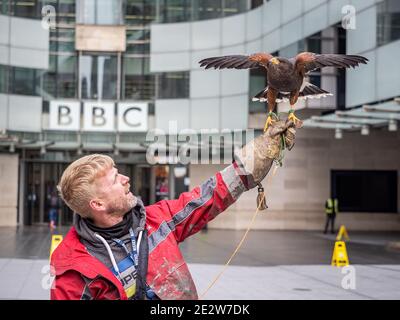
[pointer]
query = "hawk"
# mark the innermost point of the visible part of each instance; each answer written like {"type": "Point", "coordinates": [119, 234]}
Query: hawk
{"type": "Point", "coordinates": [285, 77]}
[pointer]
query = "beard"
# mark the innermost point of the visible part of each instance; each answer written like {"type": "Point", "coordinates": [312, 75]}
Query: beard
{"type": "Point", "coordinates": [119, 207]}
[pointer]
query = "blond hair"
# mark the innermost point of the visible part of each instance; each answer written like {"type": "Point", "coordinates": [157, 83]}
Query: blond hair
{"type": "Point", "coordinates": [76, 186]}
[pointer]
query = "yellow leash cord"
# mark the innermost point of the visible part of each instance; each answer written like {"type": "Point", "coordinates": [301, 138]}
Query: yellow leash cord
{"type": "Point", "coordinates": [241, 241]}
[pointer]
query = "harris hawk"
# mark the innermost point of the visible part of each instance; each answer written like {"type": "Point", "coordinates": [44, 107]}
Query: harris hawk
{"type": "Point", "coordinates": [285, 77]}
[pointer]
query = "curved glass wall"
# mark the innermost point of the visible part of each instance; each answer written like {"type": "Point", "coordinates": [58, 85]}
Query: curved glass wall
{"type": "Point", "coordinates": [113, 76]}
{"type": "Point", "coordinates": [194, 10]}
{"type": "Point", "coordinates": [100, 12]}
{"type": "Point", "coordinates": [388, 21]}
{"type": "Point", "coordinates": [32, 9]}
{"type": "Point", "coordinates": [131, 11]}
{"type": "Point", "coordinates": [3, 79]}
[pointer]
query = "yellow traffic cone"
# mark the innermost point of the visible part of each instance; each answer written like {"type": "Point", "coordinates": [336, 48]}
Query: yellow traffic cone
{"type": "Point", "coordinates": [339, 257]}
{"type": "Point", "coordinates": [55, 241]}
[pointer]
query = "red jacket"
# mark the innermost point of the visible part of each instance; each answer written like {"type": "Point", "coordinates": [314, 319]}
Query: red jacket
{"type": "Point", "coordinates": [78, 275]}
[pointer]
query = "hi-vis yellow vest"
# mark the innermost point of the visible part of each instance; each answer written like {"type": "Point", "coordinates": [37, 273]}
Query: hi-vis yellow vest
{"type": "Point", "coordinates": [330, 205]}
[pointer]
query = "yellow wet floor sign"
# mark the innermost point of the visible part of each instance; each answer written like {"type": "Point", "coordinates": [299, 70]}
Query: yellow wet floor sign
{"type": "Point", "coordinates": [55, 241]}
{"type": "Point", "coordinates": [342, 233]}
{"type": "Point", "coordinates": [339, 257]}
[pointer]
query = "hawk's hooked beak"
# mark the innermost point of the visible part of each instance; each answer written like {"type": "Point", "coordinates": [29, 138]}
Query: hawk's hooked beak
{"type": "Point", "coordinates": [274, 61]}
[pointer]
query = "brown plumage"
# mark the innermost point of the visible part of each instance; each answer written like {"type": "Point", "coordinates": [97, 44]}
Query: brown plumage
{"type": "Point", "coordinates": [285, 77]}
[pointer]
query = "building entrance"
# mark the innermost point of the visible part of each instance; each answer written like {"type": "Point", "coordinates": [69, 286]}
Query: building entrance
{"type": "Point", "coordinates": [41, 179]}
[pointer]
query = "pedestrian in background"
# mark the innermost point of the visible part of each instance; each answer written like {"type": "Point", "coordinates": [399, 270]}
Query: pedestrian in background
{"type": "Point", "coordinates": [54, 207]}
{"type": "Point", "coordinates": [331, 209]}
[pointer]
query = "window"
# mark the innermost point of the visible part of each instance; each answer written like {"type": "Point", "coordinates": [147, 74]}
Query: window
{"type": "Point", "coordinates": [232, 7]}
{"type": "Point", "coordinates": [66, 11]}
{"type": "Point", "coordinates": [258, 82]}
{"type": "Point", "coordinates": [192, 10]}
{"type": "Point", "coordinates": [314, 43]}
{"type": "Point", "coordinates": [341, 72]}
{"type": "Point", "coordinates": [66, 76]}
{"type": "Point", "coordinates": [365, 191]}
{"type": "Point", "coordinates": [3, 79]}
{"type": "Point", "coordinates": [173, 85]}
{"type": "Point", "coordinates": [138, 83]}
{"type": "Point", "coordinates": [26, 8]}
{"type": "Point", "coordinates": [138, 41]}
{"type": "Point", "coordinates": [388, 21]}
{"type": "Point", "coordinates": [24, 81]}
{"type": "Point", "coordinates": [98, 76]}
{"type": "Point", "coordinates": [293, 49]}
{"type": "Point", "coordinates": [4, 7]}
{"type": "Point", "coordinates": [140, 12]}
{"type": "Point", "coordinates": [256, 3]}
{"type": "Point", "coordinates": [149, 11]}
{"type": "Point", "coordinates": [100, 12]}
{"type": "Point", "coordinates": [174, 10]}
{"type": "Point", "coordinates": [49, 78]}
{"type": "Point", "coordinates": [207, 9]}
{"type": "Point", "coordinates": [134, 12]}
{"type": "Point", "coordinates": [60, 79]}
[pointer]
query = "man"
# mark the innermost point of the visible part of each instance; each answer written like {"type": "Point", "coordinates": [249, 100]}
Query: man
{"type": "Point", "coordinates": [331, 208]}
{"type": "Point", "coordinates": [119, 249]}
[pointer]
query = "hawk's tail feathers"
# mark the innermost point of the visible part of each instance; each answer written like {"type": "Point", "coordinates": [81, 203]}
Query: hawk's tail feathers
{"type": "Point", "coordinates": [261, 96]}
{"type": "Point", "coordinates": [309, 91]}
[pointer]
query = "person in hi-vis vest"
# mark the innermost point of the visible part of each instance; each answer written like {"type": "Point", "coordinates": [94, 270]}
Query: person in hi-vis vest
{"type": "Point", "coordinates": [331, 209]}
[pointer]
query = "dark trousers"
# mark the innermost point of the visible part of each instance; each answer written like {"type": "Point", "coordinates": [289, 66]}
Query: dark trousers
{"type": "Point", "coordinates": [330, 218]}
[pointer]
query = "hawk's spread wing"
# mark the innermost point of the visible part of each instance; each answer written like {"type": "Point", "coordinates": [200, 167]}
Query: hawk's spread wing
{"type": "Point", "coordinates": [308, 61]}
{"type": "Point", "coordinates": [237, 61]}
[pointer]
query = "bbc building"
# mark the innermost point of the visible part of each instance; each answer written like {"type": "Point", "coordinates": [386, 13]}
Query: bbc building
{"type": "Point", "coordinates": [81, 77]}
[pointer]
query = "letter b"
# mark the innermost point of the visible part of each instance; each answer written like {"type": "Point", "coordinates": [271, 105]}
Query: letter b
{"type": "Point", "coordinates": [64, 117]}
{"type": "Point", "coordinates": [98, 118]}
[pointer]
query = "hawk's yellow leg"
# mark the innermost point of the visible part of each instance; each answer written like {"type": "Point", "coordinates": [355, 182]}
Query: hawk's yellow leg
{"type": "Point", "coordinates": [292, 117]}
{"type": "Point", "coordinates": [269, 120]}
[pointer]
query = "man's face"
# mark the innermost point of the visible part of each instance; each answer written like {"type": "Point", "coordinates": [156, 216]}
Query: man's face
{"type": "Point", "coordinates": [113, 191]}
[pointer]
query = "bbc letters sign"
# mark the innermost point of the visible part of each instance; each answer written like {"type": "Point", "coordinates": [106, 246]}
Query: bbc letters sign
{"type": "Point", "coordinates": [132, 117]}
{"type": "Point", "coordinates": [98, 116]}
{"type": "Point", "coordinates": [64, 115]}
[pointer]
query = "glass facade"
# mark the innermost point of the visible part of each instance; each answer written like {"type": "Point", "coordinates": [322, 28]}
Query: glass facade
{"type": "Point", "coordinates": [104, 12]}
{"type": "Point", "coordinates": [131, 11]}
{"type": "Point", "coordinates": [193, 10]}
{"type": "Point", "coordinates": [98, 76]}
{"type": "Point", "coordinates": [173, 85]}
{"type": "Point", "coordinates": [113, 76]}
{"type": "Point", "coordinates": [140, 12]}
{"type": "Point", "coordinates": [4, 7]}
{"type": "Point", "coordinates": [26, 8]}
{"type": "Point", "coordinates": [24, 81]}
{"type": "Point", "coordinates": [3, 79]}
{"type": "Point", "coordinates": [258, 81]}
{"type": "Point", "coordinates": [61, 79]}
{"type": "Point", "coordinates": [138, 83]}
{"type": "Point", "coordinates": [388, 21]}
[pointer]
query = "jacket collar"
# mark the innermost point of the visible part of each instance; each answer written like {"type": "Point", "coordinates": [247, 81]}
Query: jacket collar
{"type": "Point", "coordinates": [71, 254]}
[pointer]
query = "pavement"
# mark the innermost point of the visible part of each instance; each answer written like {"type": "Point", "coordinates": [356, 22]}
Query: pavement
{"type": "Point", "coordinates": [270, 265]}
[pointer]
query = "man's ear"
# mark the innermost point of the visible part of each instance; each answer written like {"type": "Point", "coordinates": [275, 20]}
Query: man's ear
{"type": "Point", "coordinates": [96, 204]}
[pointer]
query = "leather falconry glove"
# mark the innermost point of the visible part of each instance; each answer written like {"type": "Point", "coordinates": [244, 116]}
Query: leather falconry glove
{"type": "Point", "coordinates": [255, 159]}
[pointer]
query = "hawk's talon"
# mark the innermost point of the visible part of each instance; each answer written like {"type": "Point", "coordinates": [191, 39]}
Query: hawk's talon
{"type": "Point", "coordinates": [292, 117]}
{"type": "Point", "coordinates": [269, 120]}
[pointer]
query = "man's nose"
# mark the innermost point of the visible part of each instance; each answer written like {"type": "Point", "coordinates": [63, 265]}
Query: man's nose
{"type": "Point", "coordinates": [125, 179]}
